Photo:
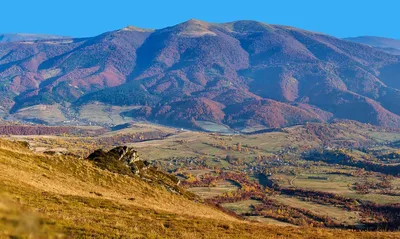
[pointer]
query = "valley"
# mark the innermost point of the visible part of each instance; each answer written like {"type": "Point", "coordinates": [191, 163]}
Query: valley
{"type": "Point", "coordinates": [262, 178]}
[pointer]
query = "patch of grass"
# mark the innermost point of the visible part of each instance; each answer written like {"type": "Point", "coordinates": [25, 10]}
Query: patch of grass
{"type": "Point", "coordinates": [219, 189]}
{"type": "Point", "coordinates": [241, 207]}
{"type": "Point", "coordinates": [50, 114]}
{"type": "Point", "coordinates": [102, 113]}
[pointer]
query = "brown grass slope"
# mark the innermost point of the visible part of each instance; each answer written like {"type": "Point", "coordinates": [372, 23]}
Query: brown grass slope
{"type": "Point", "coordinates": [65, 197]}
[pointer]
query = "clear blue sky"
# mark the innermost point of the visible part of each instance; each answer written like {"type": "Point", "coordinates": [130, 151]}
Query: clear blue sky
{"type": "Point", "coordinates": [340, 18]}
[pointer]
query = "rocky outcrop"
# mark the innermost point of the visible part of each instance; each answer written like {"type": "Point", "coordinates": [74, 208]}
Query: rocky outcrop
{"type": "Point", "coordinates": [125, 160]}
{"type": "Point", "coordinates": [117, 158]}
{"type": "Point", "coordinates": [126, 154]}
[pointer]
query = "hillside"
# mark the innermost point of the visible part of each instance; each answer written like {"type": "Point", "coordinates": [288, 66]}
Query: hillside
{"type": "Point", "coordinates": [55, 196]}
{"type": "Point", "coordinates": [237, 75]}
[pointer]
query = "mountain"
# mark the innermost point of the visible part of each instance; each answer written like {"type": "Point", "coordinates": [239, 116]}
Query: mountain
{"type": "Point", "coordinates": [241, 75]}
{"type": "Point", "coordinates": [386, 44]}
{"type": "Point", "coordinates": [16, 37]}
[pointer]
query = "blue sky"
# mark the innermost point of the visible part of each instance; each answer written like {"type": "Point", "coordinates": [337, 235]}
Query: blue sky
{"type": "Point", "coordinates": [340, 18]}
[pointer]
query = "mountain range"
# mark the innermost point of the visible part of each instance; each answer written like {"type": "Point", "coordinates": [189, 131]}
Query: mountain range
{"type": "Point", "coordinates": [388, 45]}
{"type": "Point", "coordinates": [18, 37]}
{"type": "Point", "coordinates": [241, 75]}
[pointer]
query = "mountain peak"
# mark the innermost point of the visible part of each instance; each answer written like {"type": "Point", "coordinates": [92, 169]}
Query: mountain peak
{"type": "Point", "coordinates": [195, 28]}
{"type": "Point", "coordinates": [195, 21]}
{"type": "Point", "coordinates": [136, 29]}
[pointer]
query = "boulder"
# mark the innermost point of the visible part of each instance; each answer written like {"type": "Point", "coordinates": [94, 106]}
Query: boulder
{"type": "Point", "coordinates": [117, 158]}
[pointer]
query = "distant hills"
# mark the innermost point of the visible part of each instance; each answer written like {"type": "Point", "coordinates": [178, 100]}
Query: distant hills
{"type": "Point", "coordinates": [241, 75]}
{"type": "Point", "coordinates": [386, 44]}
{"type": "Point", "coordinates": [14, 37]}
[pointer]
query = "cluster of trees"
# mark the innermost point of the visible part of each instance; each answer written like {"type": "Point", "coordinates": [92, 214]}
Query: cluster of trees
{"type": "Point", "coordinates": [296, 216]}
{"type": "Point", "coordinates": [382, 217]}
{"type": "Point", "coordinates": [267, 207]}
{"type": "Point", "coordinates": [221, 144]}
{"type": "Point", "coordinates": [233, 160]}
{"type": "Point", "coordinates": [206, 180]}
{"type": "Point", "coordinates": [34, 130]}
{"type": "Point", "coordinates": [327, 134]}
{"type": "Point", "coordinates": [374, 216]}
{"type": "Point", "coordinates": [273, 209]}
{"type": "Point", "coordinates": [323, 198]}
{"type": "Point", "coordinates": [384, 186]}
{"type": "Point", "coordinates": [340, 156]}
{"type": "Point", "coordinates": [121, 139]}
{"type": "Point", "coordinates": [393, 157]}
{"type": "Point", "coordinates": [47, 130]}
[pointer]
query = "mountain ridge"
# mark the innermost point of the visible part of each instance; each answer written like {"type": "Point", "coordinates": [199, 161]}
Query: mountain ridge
{"type": "Point", "coordinates": [388, 45]}
{"type": "Point", "coordinates": [17, 37]}
{"type": "Point", "coordinates": [241, 74]}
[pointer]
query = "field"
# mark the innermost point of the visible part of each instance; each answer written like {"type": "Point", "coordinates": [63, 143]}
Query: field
{"type": "Point", "coordinates": [337, 214]}
{"type": "Point", "coordinates": [50, 114]}
{"type": "Point", "coordinates": [337, 184]}
{"type": "Point", "coordinates": [104, 114]}
{"type": "Point", "coordinates": [218, 189]}
{"type": "Point", "coordinates": [317, 181]}
{"type": "Point", "coordinates": [264, 177]}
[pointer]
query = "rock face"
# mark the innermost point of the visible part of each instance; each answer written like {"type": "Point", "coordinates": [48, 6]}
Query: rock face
{"type": "Point", "coordinates": [117, 158]}
{"type": "Point", "coordinates": [127, 155]}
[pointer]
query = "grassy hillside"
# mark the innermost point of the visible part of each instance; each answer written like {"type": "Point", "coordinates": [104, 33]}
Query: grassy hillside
{"type": "Point", "coordinates": [44, 196]}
